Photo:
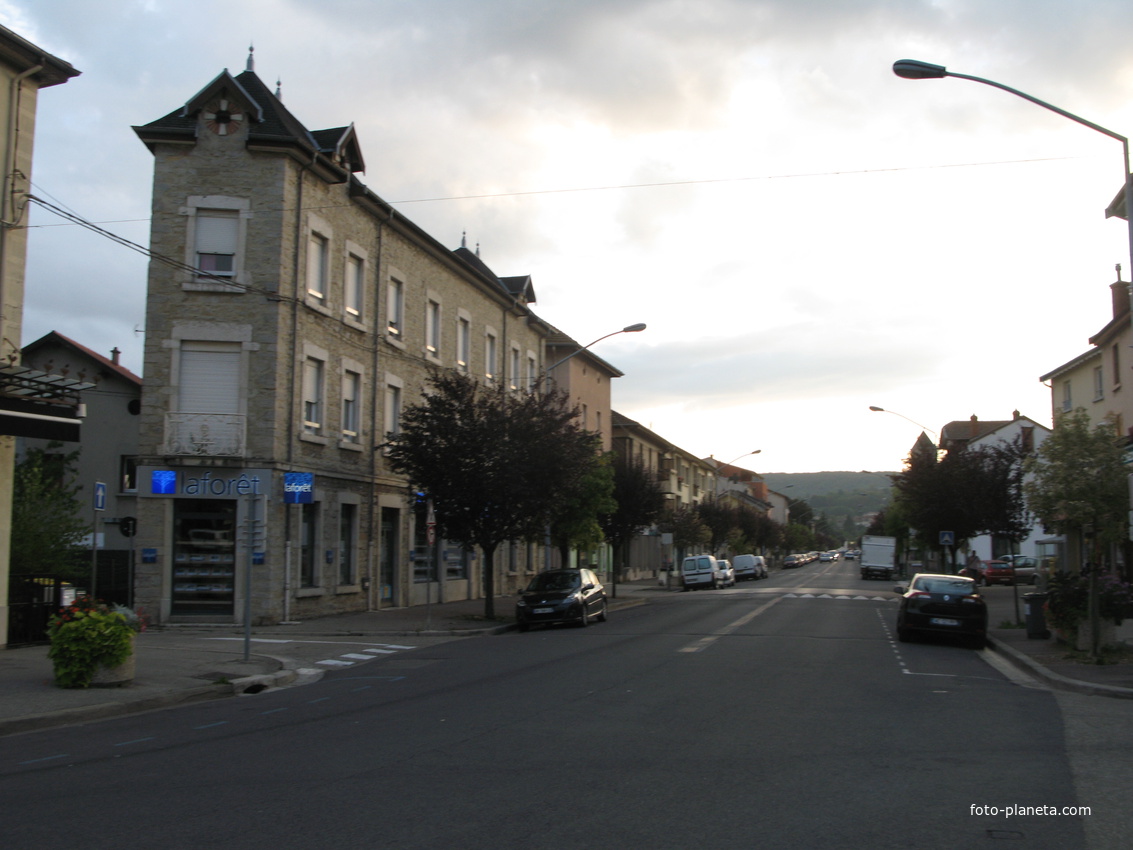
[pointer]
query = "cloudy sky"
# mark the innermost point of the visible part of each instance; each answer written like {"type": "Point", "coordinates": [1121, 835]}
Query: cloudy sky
{"type": "Point", "coordinates": [805, 233]}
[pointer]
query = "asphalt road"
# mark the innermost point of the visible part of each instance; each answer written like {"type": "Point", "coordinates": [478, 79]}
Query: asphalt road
{"type": "Point", "coordinates": [760, 716]}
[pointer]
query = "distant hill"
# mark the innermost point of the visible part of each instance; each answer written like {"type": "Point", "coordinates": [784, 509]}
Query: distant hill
{"type": "Point", "coordinates": [807, 485]}
{"type": "Point", "coordinates": [836, 495]}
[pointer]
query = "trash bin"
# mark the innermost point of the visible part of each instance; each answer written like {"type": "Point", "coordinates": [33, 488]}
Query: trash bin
{"type": "Point", "coordinates": [1036, 618]}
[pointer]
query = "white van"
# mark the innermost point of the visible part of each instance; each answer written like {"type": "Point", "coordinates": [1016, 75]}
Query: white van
{"type": "Point", "coordinates": [698, 571]}
{"type": "Point", "coordinates": [749, 567]}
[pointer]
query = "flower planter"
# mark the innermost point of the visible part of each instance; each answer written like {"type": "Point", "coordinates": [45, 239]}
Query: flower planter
{"type": "Point", "coordinates": [117, 676]}
{"type": "Point", "coordinates": [1107, 635]}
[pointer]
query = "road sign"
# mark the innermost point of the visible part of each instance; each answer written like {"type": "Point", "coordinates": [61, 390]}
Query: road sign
{"type": "Point", "coordinates": [431, 525]}
{"type": "Point", "coordinates": [99, 496]}
{"type": "Point", "coordinates": [947, 538]}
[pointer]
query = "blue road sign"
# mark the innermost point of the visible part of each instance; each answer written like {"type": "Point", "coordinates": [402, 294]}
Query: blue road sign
{"type": "Point", "coordinates": [947, 538]}
{"type": "Point", "coordinates": [99, 496]}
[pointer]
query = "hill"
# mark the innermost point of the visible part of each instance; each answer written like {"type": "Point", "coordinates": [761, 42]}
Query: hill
{"type": "Point", "coordinates": [837, 495]}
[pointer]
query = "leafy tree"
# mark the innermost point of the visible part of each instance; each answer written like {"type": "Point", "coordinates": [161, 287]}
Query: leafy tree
{"type": "Point", "coordinates": [576, 520]}
{"type": "Point", "coordinates": [688, 530]}
{"type": "Point", "coordinates": [720, 519]}
{"type": "Point", "coordinates": [639, 504]}
{"type": "Point", "coordinates": [757, 532]}
{"type": "Point", "coordinates": [1077, 481]}
{"type": "Point", "coordinates": [46, 515]}
{"type": "Point", "coordinates": [496, 463]}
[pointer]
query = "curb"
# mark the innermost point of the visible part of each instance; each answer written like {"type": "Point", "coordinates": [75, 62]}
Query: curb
{"type": "Point", "coordinates": [1056, 680]}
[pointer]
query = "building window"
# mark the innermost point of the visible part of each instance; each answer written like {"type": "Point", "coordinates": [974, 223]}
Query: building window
{"type": "Point", "coordinates": [433, 328]}
{"type": "Point", "coordinates": [395, 308]}
{"type": "Point", "coordinates": [393, 406]}
{"type": "Point", "coordinates": [209, 377]}
{"type": "Point", "coordinates": [308, 545]}
{"type": "Point", "coordinates": [1116, 357]}
{"type": "Point", "coordinates": [348, 534]}
{"type": "Point", "coordinates": [313, 395]}
{"type": "Point", "coordinates": [1099, 386]}
{"type": "Point", "coordinates": [1066, 399]}
{"type": "Point", "coordinates": [217, 238]}
{"type": "Point", "coordinates": [318, 250]}
{"type": "Point", "coordinates": [128, 470]}
{"type": "Point", "coordinates": [354, 286]}
{"type": "Point", "coordinates": [491, 353]}
{"type": "Point", "coordinates": [513, 369]}
{"type": "Point", "coordinates": [532, 371]}
{"type": "Point", "coordinates": [351, 405]}
{"type": "Point", "coordinates": [463, 343]}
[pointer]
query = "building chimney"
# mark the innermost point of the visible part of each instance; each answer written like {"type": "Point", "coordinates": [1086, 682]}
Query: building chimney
{"type": "Point", "coordinates": [114, 352]}
{"type": "Point", "coordinates": [1119, 291]}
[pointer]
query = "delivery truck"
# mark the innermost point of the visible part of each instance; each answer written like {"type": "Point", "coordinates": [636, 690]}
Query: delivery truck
{"type": "Point", "coordinates": [878, 558]}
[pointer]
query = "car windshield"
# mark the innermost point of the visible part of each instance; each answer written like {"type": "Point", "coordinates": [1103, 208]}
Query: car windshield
{"type": "Point", "coordinates": [938, 584]}
{"type": "Point", "coordinates": [555, 581]}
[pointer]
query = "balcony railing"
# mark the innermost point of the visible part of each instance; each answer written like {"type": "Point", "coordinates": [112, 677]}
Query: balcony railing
{"type": "Point", "coordinates": [205, 434]}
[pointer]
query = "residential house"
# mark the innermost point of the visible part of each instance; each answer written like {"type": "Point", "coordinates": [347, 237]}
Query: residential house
{"type": "Point", "coordinates": [292, 314]}
{"type": "Point", "coordinates": [29, 404]}
{"type": "Point", "coordinates": [107, 452]}
{"type": "Point", "coordinates": [1096, 381]}
{"type": "Point", "coordinates": [975, 432]}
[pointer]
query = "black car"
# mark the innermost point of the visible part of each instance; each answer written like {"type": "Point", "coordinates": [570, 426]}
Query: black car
{"type": "Point", "coordinates": [561, 596]}
{"type": "Point", "coordinates": [942, 604]}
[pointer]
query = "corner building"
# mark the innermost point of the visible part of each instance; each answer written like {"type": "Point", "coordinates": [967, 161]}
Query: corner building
{"type": "Point", "coordinates": [291, 315]}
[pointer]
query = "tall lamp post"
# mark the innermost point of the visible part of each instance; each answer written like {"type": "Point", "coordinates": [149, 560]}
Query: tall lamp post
{"type": "Point", "coordinates": [628, 329]}
{"type": "Point", "coordinates": [912, 69]}
{"type": "Point", "coordinates": [876, 409]}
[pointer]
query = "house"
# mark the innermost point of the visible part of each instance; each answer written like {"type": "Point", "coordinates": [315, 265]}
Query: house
{"type": "Point", "coordinates": [108, 449]}
{"type": "Point", "coordinates": [291, 315]}
{"type": "Point", "coordinates": [1093, 380]}
{"type": "Point", "coordinates": [30, 402]}
{"type": "Point", "coordinates": [974, 432]}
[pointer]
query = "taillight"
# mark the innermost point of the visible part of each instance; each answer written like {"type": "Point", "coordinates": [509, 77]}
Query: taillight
{"type": "Point", "coordinates": [919, 594]}
{"type": "Point", "coordinates": [973, 600]}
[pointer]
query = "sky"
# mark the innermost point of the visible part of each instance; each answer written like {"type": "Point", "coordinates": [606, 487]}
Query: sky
{"type": "Point", "coordinates": [804, 233]}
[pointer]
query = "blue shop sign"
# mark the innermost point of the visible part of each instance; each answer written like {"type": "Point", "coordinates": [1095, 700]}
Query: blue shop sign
{"type": "Point", "coordinates": [298, 488]}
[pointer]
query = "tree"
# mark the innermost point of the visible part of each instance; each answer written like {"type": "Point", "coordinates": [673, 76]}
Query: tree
{"type": "Point", "coordinates": [576, 521]}
{"type": "Point", "coordinates": [688, 530]}
{"type": "Point", "coordinates": [720, 519]}
{"type": "Point", "coordinates": [1077, 480]}
{"type": "Point", "coordinates": [496, 463]}
{"type": "Point", "coordinates": [639, 504]}
{"type": "Point", "coordinates": [46, 515]}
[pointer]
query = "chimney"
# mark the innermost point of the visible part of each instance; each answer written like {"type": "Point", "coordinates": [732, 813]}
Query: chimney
{"type": "Point", "coordinates": [114, 352]}
{"type": "Point", "coordinates": [1119, 291]}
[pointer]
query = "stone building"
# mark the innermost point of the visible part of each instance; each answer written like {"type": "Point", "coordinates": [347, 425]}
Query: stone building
{"type": "Point", "coordinates": [29, 404]}
{"type": "Point", "coordinates": [291, 315]}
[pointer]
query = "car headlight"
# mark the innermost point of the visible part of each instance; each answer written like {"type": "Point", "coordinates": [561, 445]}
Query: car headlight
{"type": "Point", "coordinates": [520, 604]}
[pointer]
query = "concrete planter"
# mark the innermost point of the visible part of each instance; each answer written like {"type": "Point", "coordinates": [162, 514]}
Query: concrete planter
{"type": "Point", "coordinates": [115, 677]}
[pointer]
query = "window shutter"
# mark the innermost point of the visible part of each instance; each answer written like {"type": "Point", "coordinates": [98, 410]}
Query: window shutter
{"type": "Point", "coordinates": [217, 232]}
{"type": "Point", "coordinates": [210, 378]}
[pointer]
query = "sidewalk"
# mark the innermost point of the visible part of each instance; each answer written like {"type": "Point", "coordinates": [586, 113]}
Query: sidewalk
{"type": "Point", "coordinates": [174, 664]}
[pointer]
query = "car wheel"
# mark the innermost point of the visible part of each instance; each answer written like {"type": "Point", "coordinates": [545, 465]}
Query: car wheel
{"type": "Point", "coordinates": [1034, 580]}
{"type": "Point", "coordinates": [584, 618]}
{"type": "Point", "coordinates": [978, 643]}
{"type": "Point", "coordinates": [522, 625]}
{"type": "Point", "coordinates": [602, 614]}
{"type": "Point", "coordinates": [903, 635]}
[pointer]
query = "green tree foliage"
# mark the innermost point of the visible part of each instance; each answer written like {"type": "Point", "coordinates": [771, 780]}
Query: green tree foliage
{"type": "Point", "coordinates": [639, 504]}
{"type": "Point", "coordinates": [1077, 480]}
{"type": "Point", "coordinates": [46, 515]}
{"type": "Point", "coordinates": [497, 464]}
{"type": "Point", "coordinates": [576, 520]}
{"type": "Point", "coordinates": [688, 530]}
{"type": "Point", "coordinates": [721, 520]}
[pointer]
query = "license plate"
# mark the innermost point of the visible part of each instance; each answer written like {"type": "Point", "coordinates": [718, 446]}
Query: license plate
{"type": "Point", "coordinates": [542, 610]}
{"type": "Point", "coordinates": [944, 621]}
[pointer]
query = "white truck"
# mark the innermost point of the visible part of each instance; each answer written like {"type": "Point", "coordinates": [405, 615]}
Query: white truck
{"type": "Point", "coordinates": [878, 558]}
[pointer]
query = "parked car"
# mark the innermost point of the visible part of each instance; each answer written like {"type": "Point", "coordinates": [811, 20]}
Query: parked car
{"type": "Point", "coordinates": [750, 567]}
{"type": "Point", "coordinates": [1019, 570]}
{"type": "Point", "coordinates": [698, 571]}
{"type": "Point", "coordinates": [851, 554]}
{"type": "Point", "coordinates": [561, 596]}
{"type": "Point", "coordinates": [725, 573]}
{"type": "Point", "coordinates": [942, 604]}
{"type": "Point", "coordinates": [792, 561]}
{"type": "Point", "coordinates": [823, 557]}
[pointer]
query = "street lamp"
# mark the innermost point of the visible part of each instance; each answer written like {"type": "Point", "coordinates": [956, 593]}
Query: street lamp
{"type": "Point", "coordinates": [628, 329]}
{"type": "Point", "coordinates": [876, 409]}
{"type": "Point", "coordinates": [638, 327]}
{"type": "Point", "coordinates": [912, 69]}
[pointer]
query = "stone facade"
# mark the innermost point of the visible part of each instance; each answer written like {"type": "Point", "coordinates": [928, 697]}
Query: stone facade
{"type": "Point", "coordinates": [295, 316]}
